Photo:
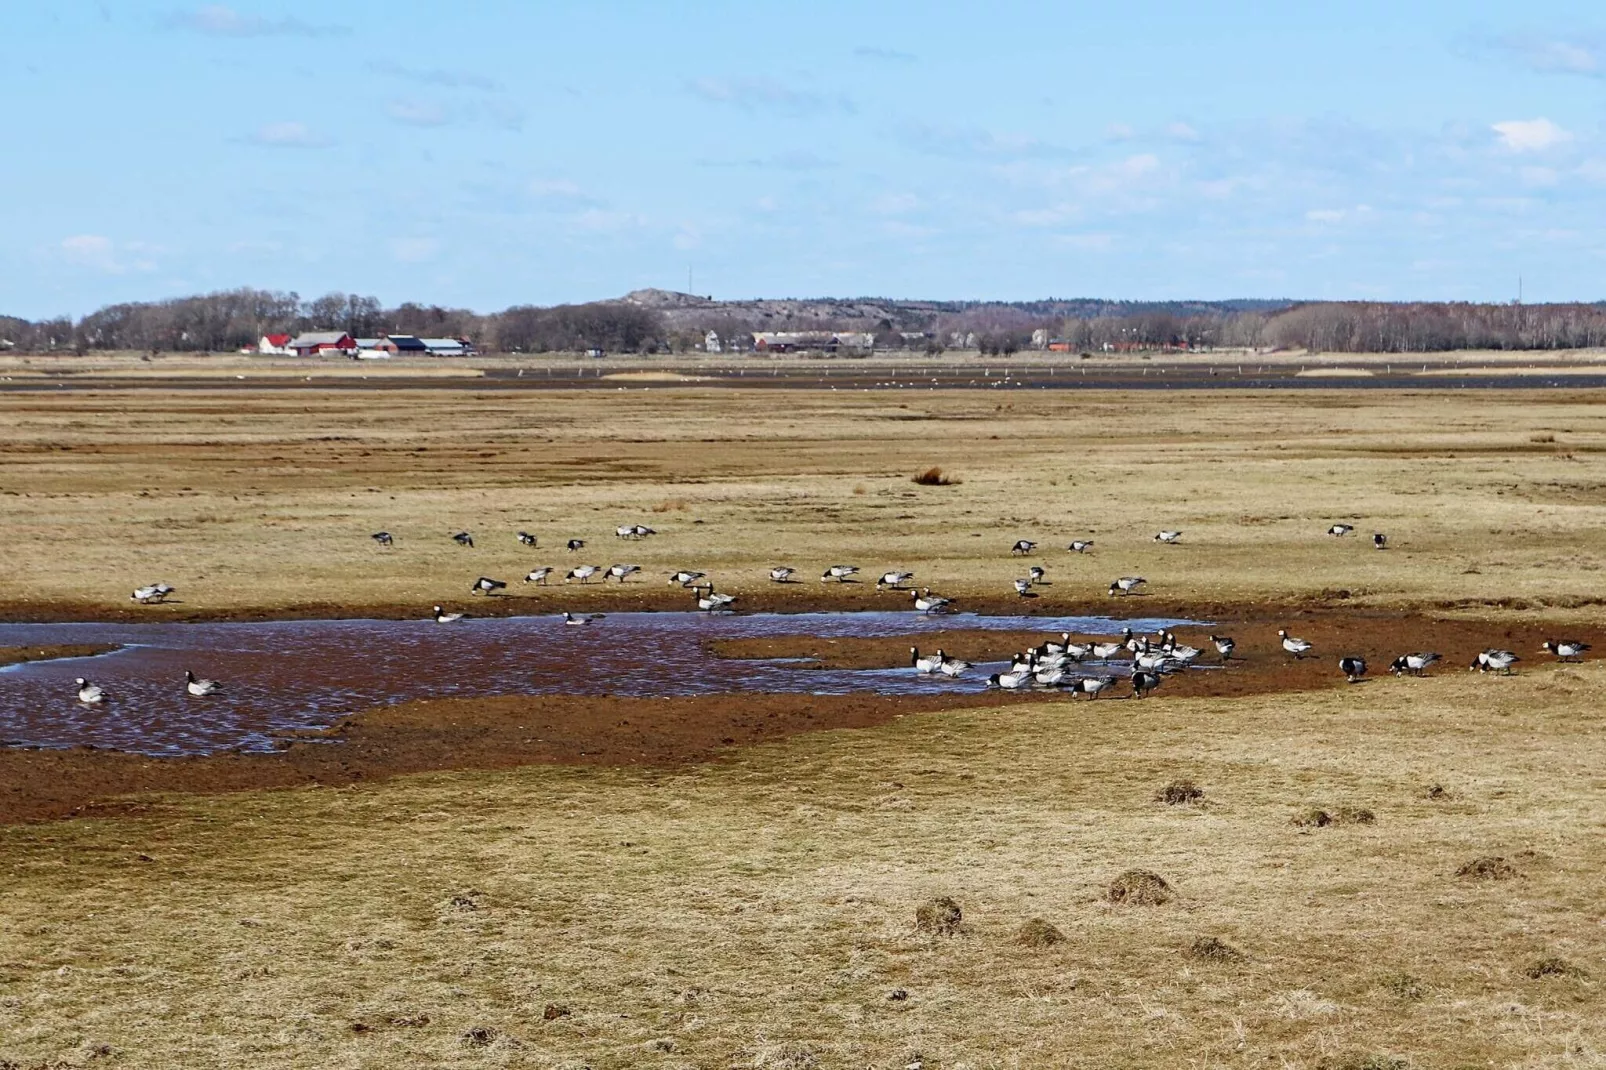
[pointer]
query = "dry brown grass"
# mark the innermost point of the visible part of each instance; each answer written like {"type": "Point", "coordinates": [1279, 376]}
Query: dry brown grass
{"type": "Point", "coordinates": [934, 477]}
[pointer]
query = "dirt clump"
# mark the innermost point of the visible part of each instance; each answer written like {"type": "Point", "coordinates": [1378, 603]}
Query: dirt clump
{"type": "Point", "coordinates": [1179, 793]}
{"type": "Point", "coordinates": [934, 477]}
{"type": "Point", "coordinates": [1551, 966]}
{"type": "Point", "coordinates": [1313, 817]}
{"type": "Point", "coordinates": [1488, 868]}
{"type": "Point", "coordinates": [554, 1011]}
{"type": "Point", "coordinates": [1355, 815]}
{"type": "Point", "coordinates": [1038, 933]}
{"type": "Point", "coordinates": [940, 916]}
{"type": "Point", "coordinates": [1211, 949]}
{"type": "Point", "coordinates": [1141, 888]}
{"type": "Point", "coordinates": [1402, 986]}
{"type": "Point", "coordinates": [1437, 793]}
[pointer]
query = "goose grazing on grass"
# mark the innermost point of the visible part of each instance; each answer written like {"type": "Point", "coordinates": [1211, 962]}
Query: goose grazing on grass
{"type": "Point", "coordinates": [89, 694]}
{"type": "Point", "coordinates": [1339, 530]}
{"type": "Point", "coordinates": [1353, 668]}
{"type": "Point", "coordinates": [539, 575]}
{"type": "Point", "coordinates": [952, 667]}
{"type": "Point", "coordinates": [840, 573]}
{"type": "Point", "coordinates": [1036, 574]}
{"type": "Point", "coordinates": [583, 573]}
{"type": "Point", "coordinates": [782, 574]}
{"type": "Point", "coordinates": [1225, 645]}
{"type": "Point", "coordinates": [1023, 587]}
{"type": "Point", "coordinates": [1297, 647]}
{"type": "Point", "coordinates": [443, 617]}
{"type": "Point", "coordinates": [486, 585]}
{"type": "Point", "coordinates": [894, 580]}
{"type": "Point", "coordinates": [1013, 680]}
{"type": "Point", "coordinates": [1080, 546]}
{"type": "Point", "coordinates": [463, 538]}
{"type": "Point", "coordinates": [1168, 537]}
{"type": "Point", "coordinates": [1127, 584]}
{"type": "Point", "coordinates": [151, 593]}
{"type": "Point", "coordinates": [527, 539]}
{"type": "Point", "coordinates": [200, 688]}
{"type": "Point", "coordinates": [1499, 661]}
{"type": "Point", "coordinates": [1023, 547]}
{"type": "Point", "coordinates": [383, 538]}
{"type": "Point", "coordinates": [577, 619]}
{"type": "Point", "coordinates": [634, 531]}
{"type": "Point", "coordinates": [926, 602]}
{"type": "Point", "coordinates": [575, 544]}
{"type": "Point", "coordinates": [1143, 682]}
{"type": "Point", "coordinates": [1565, 649]}
{"type": "Point", "coordinates": [924, 665]}
{"type": "Point", "coordinates": [1380, 541]}
{"type": "Point", "coordinates": [709, 602]}
{"type": "Point", "coordinates": [1090, 685]}
{"type": "Point", "coordinates": [620, 572]}
{"type": "Point", "coordinates": [1415, 664]}
{"type": "Point", "coordinates": [684, 578]}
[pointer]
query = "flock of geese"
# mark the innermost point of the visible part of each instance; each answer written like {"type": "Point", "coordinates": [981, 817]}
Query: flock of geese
{"type": "Point", "coordinates": [1053, 665]}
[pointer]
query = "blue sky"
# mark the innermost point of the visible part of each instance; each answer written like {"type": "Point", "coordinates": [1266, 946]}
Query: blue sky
{"type": "Point", "coordinates": [484, 154]}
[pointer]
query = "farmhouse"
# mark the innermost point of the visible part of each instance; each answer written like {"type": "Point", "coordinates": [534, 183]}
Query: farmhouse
{"type": "Point", "coordinates": [314, 342]}
{"type": "Point", "coordinates": [448, 347]}
{"type": "Point", "coordinates": [824, 341]}
{"type": "Point", "coordinates": [274, 344]}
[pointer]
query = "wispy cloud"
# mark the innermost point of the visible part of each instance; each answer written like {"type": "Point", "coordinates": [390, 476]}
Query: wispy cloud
{"type": "Point", "coordinates": [99, 253]}
{"type": "Point", "coordinates": [503, 114]}
{"type": "Point", "coordinates": [789, 160]}
{"type": "Point", "coordinates": [560, 193]}
{"type": "Point", "coordinates": [417, 113]}
{"type": "Point", "coordinates": [1530, 135]}
{"type": "Point", "coordinates": [414, 250]}
{"type": "Point", "coordinates": [885, 55]}
{"type": "Point", "coordinates": [974, 143]}
{"type": "Point", "coordinates": [218, 20]}
{"type": "Point", "coordinates": [436, 76]}
{"type": "Point", "coordinates": [1578, 52]}
{"type": "Point", "coordinates": [768, 95]}
{"type": "Point", "coordinates": [286, 135]}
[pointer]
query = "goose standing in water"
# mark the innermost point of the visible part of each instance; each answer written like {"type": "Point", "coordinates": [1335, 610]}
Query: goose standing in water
{"type": "Point", "coordinates": [539, 575]}
{"type": "Point", "coordinates": [927, 665]}
{"type": "Point", "coordinates": [575, 544]}
{"type": "Point", "coordinates": [1023, 547]}
{"type": "Point", "coordinates": [952, 667]}
{"type": "Point", "coordinates": [1353, 668]}
{"type": "Point", "coordinates": [1225, 645]}
{"type": "Point", "coordinates": [89, 694]}
{"type": "Point", "coordinates": [1565, 649]}
{"type": "Point", "coordinates": [1297, 647]}
{"type": "Point", "coordinates": [894, 580]}
{"type": "Point", "coordinates": [1080, 546]}
{"type": "Point", "coordinates": [1340, 530]}
{"type": "Point", "coordinates": [782, 574]}
{"type": "Point", "coordinates": [1013, 680]}
{"type": "Point", "coordinates": [463, 538]}
{"type": "Point", "coordinates": [1499, 661]}
{"type": "Point", "coordinates": [383, 538]}
{"type": "Point", "coordinates": [527, 539]}
{"type": "Point", "coordinates": [926, 602]}
{"type": "Point", "coordinates": [198, 687]}
{"type": "Point", "coordinates": [1415, 664]}
{"type": "Point", "coordinates": [443, 617]}
{"type": "Point", "coordinates": [840, 573]}
{"type": "Point", "coordinates": [486, 585]}
{"type": "Point", "coordinates": [1168, 537]}
{"type": "Point", "coordinates": [684, 578]}
{"type": "Point", "coordinates": [577, 619]}
{"type": "Point", "coordinates": [1144, 682]}
{"type": "Point", "coordinates": [1127, 584]}
{"type": "Point", "coordinates": [620, 572]}
{"type": "Point", "coordinates": [1107, 650]}
{"type": "Point", "coordinates": [583, 573]}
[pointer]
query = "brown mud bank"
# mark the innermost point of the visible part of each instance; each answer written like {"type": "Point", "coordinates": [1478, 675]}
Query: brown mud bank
{"type": "Point", "coordinates": [17, 655]}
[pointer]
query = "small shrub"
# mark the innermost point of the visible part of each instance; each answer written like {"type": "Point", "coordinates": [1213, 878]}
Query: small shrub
{"type": "Point", "coordinates": [934, 477]}
{"type": "Point", "coordinates": [1179, 793]}
{"type": "Point", "coordinates": [1488, 868]}
{"type": "Point", "coordinates": [1355, 815]}
{"type": "Point", "coordinates": [941, 916]}
{"type": "Point", "coordinates": [1314, 818]}
{"type": "Point", "coordinates": [1550, 966]}
{"type": "Point", "coordinates": [1210, 949]}
{"type": "Point", "coordinates": [481, 1036]}
{"type": "Point", "coordinates": [1402, 986]}
{"type": "Point", "coordinates": [1038, 933]}
{"type": "Point", "coordinates": [1542, 437]}
{"type": "Point", "coordinates": [554, 1011]}
{"type": "Point", "coordinates": [1437, 792]}
{"type": "Point", "coordinates": [1139, 887]}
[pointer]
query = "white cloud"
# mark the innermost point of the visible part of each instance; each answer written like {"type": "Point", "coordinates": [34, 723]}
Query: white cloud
{"type": "Point", "coordinates": [1181, 132]}
{"type": "Point", "coordinates": [1539, 176]}
{"type": "Point", "coordinates": [414, 250]}
{"type": "Point", "coordinates": [1120, 132]}
{"type": "Point", "coordinates": [1339, 215]}
{"type": "Point", "coordinates": [286, 135]}
{"type": "Point", "coordinates": [894, 203]}
{"type": "Point", "coordinates": [219, 20]}
{"type": "Point", "coordinates": [416, 113]}
{"type": "Point", "coordinates": [767, 94]}
{"type": "Point", "coordinates": [561, 193]}
{"type": "Point", "coordinates": [100, 253]}
{"type": "Point", "coordinates": [1530, 135]}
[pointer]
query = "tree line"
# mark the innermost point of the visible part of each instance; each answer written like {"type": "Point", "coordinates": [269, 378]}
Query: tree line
{"type": "Point", "coordinates": [236, 319]}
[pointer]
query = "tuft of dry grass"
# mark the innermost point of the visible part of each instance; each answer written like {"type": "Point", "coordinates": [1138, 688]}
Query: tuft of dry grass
{"type": "Point", "coordinates": [1179, 793]}
{"type": "Point", "coordinates": [1363, 1061]}
{"type": "Point", "coordinates": [1402, 986]}
{"type": "Point", "coordinates": [934, 477]}
{"type": "Point", "coordinates": [1313, 817]}
{"type": "Point", "coordinates": [1038, 933]}
{"type": "Point", "coordinates": [670, 505]}
{"type": "Point", "coordinates": [1139, 887]}
{"type": "Point", "coordinates": [1212, 949]}
{"type": "Point", "coordinates": [1551, 966]}
{"type": "Point", "coordinates": [1488, 868]}
{"type": "Point", "coordinates": [1354, 815]}
{"type": "Point", "coordinates": [940, 916]}
{"type": "Point", "coordinates": [1437, 793]}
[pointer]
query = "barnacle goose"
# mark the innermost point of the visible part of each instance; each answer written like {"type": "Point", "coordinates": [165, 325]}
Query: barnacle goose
{"type": "Point", "coordinates": [383, 538]}
{"type": "Point", "coordinates": [443, 617]}
{"type": "Point", "coordinates": [950, 666]}
{"type": "Point", "coordinates": [1144, 681]}
{"type": "Point", "coordinates": [1168, 537]}
{"type": "Point", "coordinates": [1499, 661]}
{"type": "Point", "coordinates": [486, 585]}
{"type": "Point", "coordinates": [1091, 685]}
{"type": "Point", "coordinates": [1036, 574]}
{"type": "Point", "coordinates": [684, 578]}
{"type": "Point", "coordinates": [1225, 645]}
{"type": "Point", "coordinates": [527, 539]}
{"type": "Point", "coordinates": [151, 593]}
{"type": "Point", "coordinates": [926, 602]}
{"type": "Point", "coordinates": [709, 601]}
{"type": "Point", "coordinates": [926, 665]}
{"type": "Point", "coordinates": [1023, 587]}
{"type": "Point", "coordinates": [1080, 546]}
{"type": "Point", "coordinates": [1340, 529]}
{"type": "Point", "coordinates": [576, 544]}
{"type": "Point", "coordinates": [619, 572]}
{"type": "Point", "coordinates": [840, 573]}
{"type": "Point", "coordinates": [894, 580]}
{"type": "Point", "coordinates": [1565, 649]}
{"type": "Point", "coordinates": [579, 618]}
{"type": "Point", "coordinates": [1106, 651]}
{"type": "Point", "coordinates": [463, 538]}
{"type": "Point", "coordinates": [539, 575]}
{"type": "Point", "coordinates": [583, 573]}
{"type": "Point", "coordinates": [1353, 668]}
{"type": "Point", "coordinates": [1127, 584]}
{"type": "Point", "coordinates": [1023, 546]}
{"type": "Point", "coordinates": [1415, 664]}
{"type": "Point", "coordinates": [89, 694]}
{"type": "Point", "coordinates": [781, 574]}
{"type": "Point", "coordinates": [1380, 541]}
{"type": "Point", "coordinates": [200, 688]}
{"type": "Point", "coordinates": [1013, 680]}
{"type": "Point", "coordinates": [634, 531]}
{"type": "Point", "coordinates": [1297, 647]}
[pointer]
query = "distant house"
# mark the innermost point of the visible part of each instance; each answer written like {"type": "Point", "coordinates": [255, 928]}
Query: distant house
{"type": "Point", "coordinates": [402, 344]}
{"type": "Point", "coordinates": [448, 347]}
{"type": "Point", "coordinates": [278, 344]}
{"type": "Point", "coordinates": [596, 352]}
{"type": "Point", "coordinates": [1058, 345]}
{"type": "Point", "coordinates": [314, 342]}
{"type": "Point", "coordinates": [375, 348]}
{"type": "Point", "coordinates": [711, 343]}
{"type": "Point", "coordinates": [819, 341]}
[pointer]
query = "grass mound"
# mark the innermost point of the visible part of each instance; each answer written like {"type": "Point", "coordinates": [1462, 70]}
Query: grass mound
{"type": "Point", "coordinates": [1179, 793]}
{"type": "Point", "coordinates": [1488, 868]}
{"type": "Point", "coordinates": [1313, 818]}
{"type": "Point", "coordinates": [1550, 966]}
{"type": "Point", "coordinates": [788, 1057]}
{"type": "Point", "coordinates": [1038, 933]}
{"type": "Point", "coordinates": [1210, 949]}
{"type": "Point", "coordinates": [934, 477]}
{"type": "Point", "coordinates": [940, 916]}
{"type": "Point", "coordinates": [1141, 888]}
{"type": "Point", "coordinates": [1355, 815]}
{"type": "Point", "coordinates": [1364, 1062]}
{"type": "Point", "coordinates": [1402, 986]}
{"type": "Point", "coordinates": [1437, 792]}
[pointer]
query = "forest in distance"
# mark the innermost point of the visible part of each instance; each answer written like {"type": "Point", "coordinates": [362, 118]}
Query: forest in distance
{"type": "Point", "coordinates": [653, 321]}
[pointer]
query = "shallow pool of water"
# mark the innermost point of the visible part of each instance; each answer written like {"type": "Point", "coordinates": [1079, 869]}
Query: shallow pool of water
{"type": "Point", "coordinates": [285, 676]}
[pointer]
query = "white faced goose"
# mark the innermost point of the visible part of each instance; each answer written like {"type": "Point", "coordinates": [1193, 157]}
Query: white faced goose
{"type": "Point", "coordinates": [1499, 661]}
{"type": "Point", "coordinates": [1415, 664]}
{"type": "Point", "coordinates": [840, 573]}
{"type": "Point", "coordinates": [1080, 546]}
{"type": "Point", "coordinates": [1168, 537]}
{"type": "Point", "coordinates": [1127, 584]}
{"type": "Point", "coordinates": [951, 666]}
{"type": "Point", "coordinates": [620, 572]}
{"type": "Point", "coordinates": [1023, 587]}
{"type": "Point", "coordinates": [577, 619]}
{"type": "Point", "coordinates": [709, 602]}
{"type": "Point", "coordinates": [1353, 668]}
{"type": "Point", "coordinates": [1036, 574]}
{"type": "Point", "coordinates": [634, 531]}
{"type": "Point", "coordinates": [1565, 649]}
{"type": "Point", "coordinates": [924, 665]}
{"type": "Point", "coordinates": [151, 593]}
{"type": "Point", "coordinates": [1091, 685]}
{"type": "Point", "coordinates": [383, 538]}
{"type": "Point", "coordinates": [583, 573]}
{"type": "Point", "coordinates": [527, 539]}
{"type": "Point", "coordinates": [684, 578]}
{"type": "Point", "coordinates": [443, 617]}
{"type": "Point", "coordinates": [1380, 541]}
{"type": "Point", "coordinates": [1144, 682]}
{"type": "Point", "coordinates": [1339, 530]}
{"type": "Point", "coordinates": [1023, 546]}
{"type": "Point", "coordinates": [1297, 647]}
{"type": "Point", "coordinates": [1225, 645]}
{"type": "Point", "coordinates": [486, 585]}
{"type": "Point", "coordinates": [1106, 651]}
{"type": "Point", "coordinates": [926, 602]}
{"type": "Point", "coordinates": [463, 538]}
{"type": "Point", "coordinates": [1013, 680]}
{"type": "Point", "coordinates": [89, 694]}
{"type": "Point", "coordinates": [539, 575]}
{"type": "Point", "coordinates": [200, 688]}
{"type": "Point", "coordinates": [894, 580]}
{"type": "Point", "coordinates": [781, 574]}
{"type": "Point", "coordinates": [575, 544]}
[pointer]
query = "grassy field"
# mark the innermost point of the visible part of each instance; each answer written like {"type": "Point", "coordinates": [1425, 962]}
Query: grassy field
{"type": "Point", "coordinates": [760, 910]}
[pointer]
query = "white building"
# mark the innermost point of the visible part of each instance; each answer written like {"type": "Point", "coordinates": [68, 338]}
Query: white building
{"type": "Point", "coordinates": [711, 343]}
